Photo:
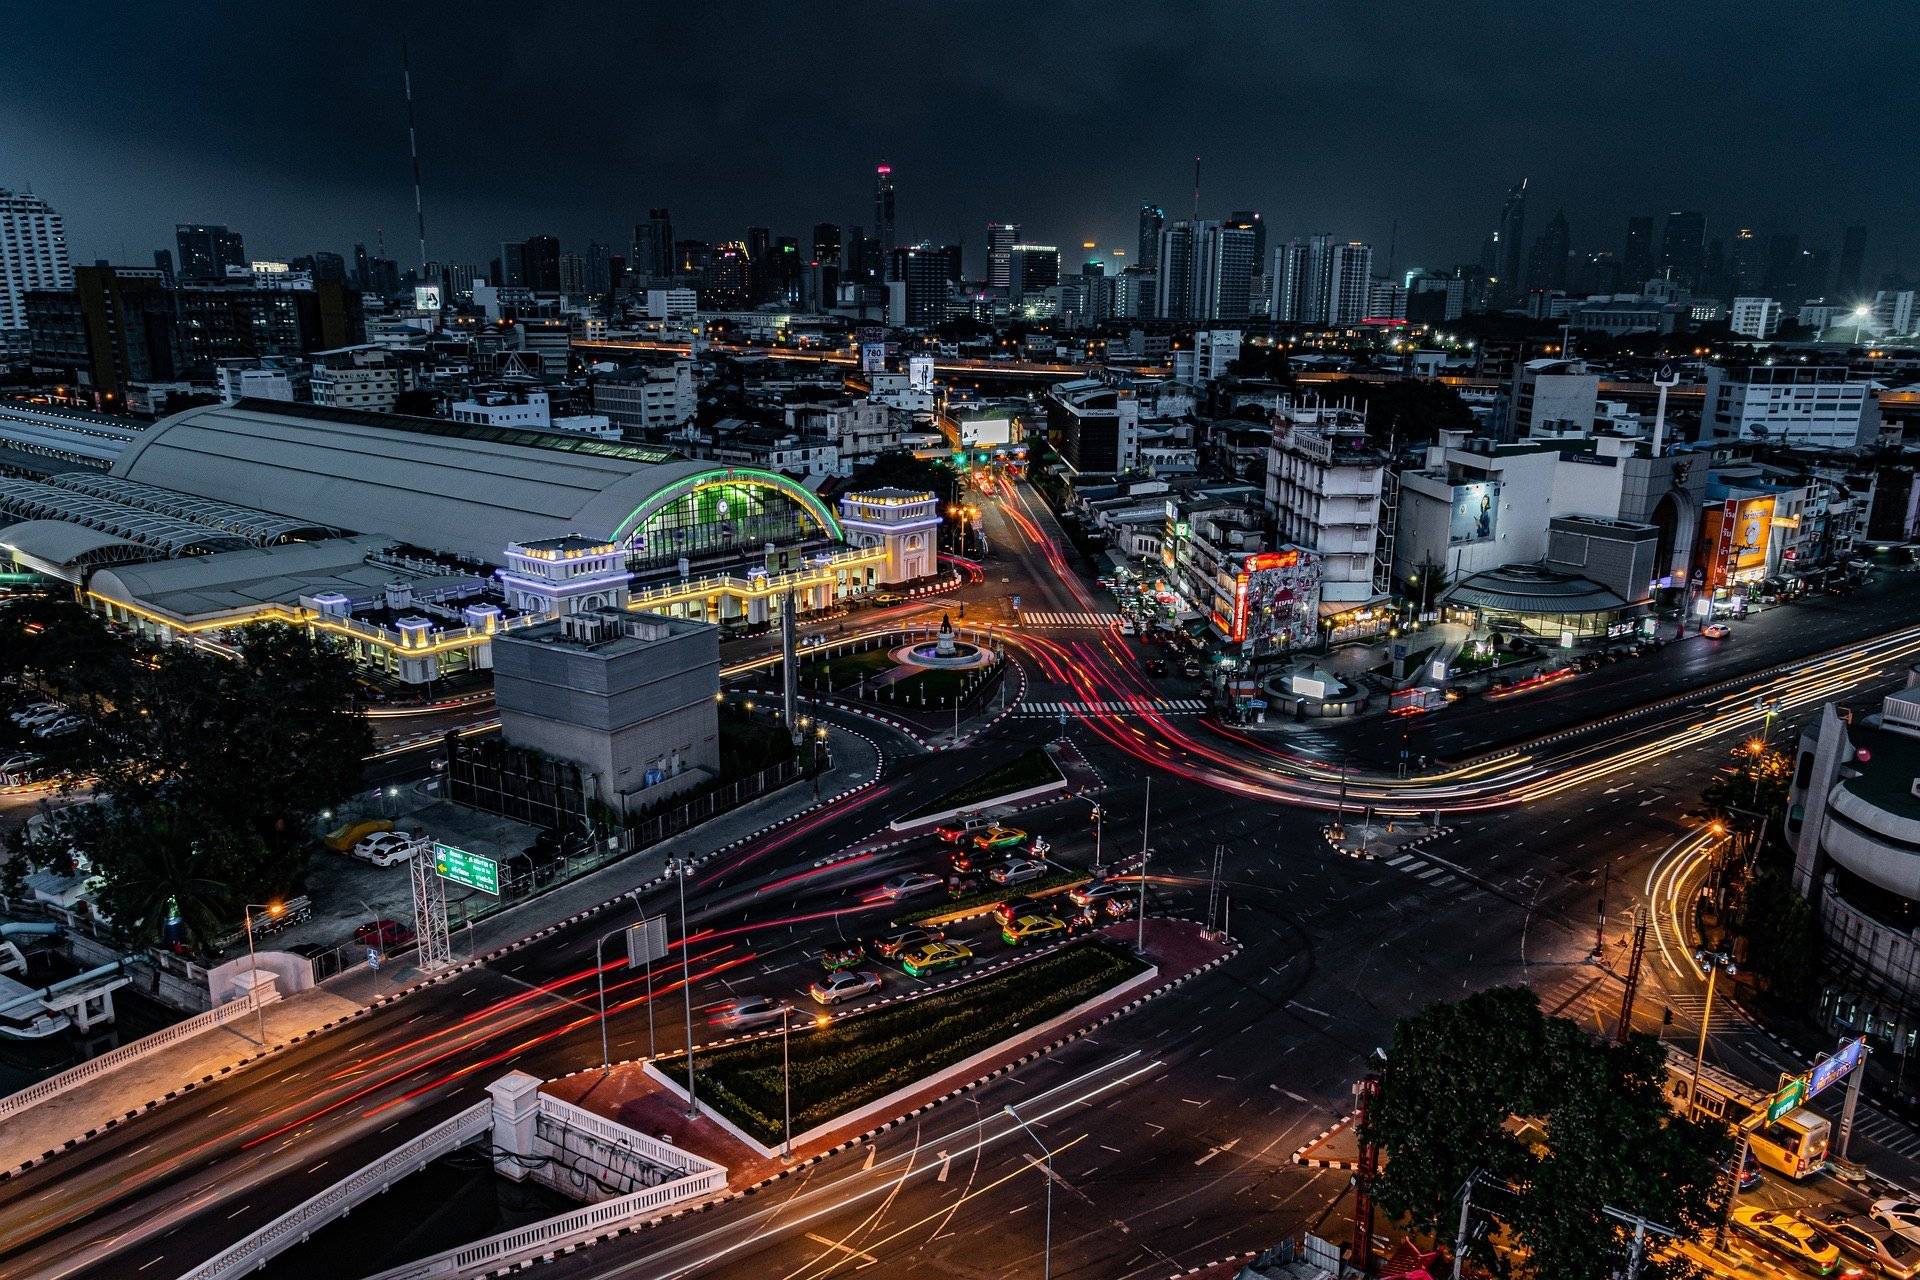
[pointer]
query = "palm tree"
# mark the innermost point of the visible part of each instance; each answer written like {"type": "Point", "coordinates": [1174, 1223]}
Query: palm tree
{"type": "Point", "coordinates": [159, 875]}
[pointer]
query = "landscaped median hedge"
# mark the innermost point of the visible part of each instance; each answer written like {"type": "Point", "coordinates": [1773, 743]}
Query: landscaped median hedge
{"type": "Point", "coordinates": [1053, 881]}
{"type": "Point", "coordinates": [1033, 768]}
{"type": "Point", "coordinates": [845, 1066]}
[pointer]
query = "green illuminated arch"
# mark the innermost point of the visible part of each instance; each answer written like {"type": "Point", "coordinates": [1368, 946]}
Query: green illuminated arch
{"type": "Point", "coordinates": [730, 477]}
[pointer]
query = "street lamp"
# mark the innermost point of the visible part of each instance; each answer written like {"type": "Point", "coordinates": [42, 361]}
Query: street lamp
{"type": "Point", "coordinates": [1711, 963]}
{"type": "Point", "coordinates": [600, 972]}
{"type": "Point", "coordinates": [1099, 816]}
{"type": "Point", "coordinates": [680, 869]}
{"type": "Point", "coordinates": [1046, 1272]}
{"type": "Point", "coordinates": [274, 911]}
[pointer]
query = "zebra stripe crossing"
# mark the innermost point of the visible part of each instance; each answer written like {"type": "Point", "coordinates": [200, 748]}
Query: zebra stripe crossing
{"type": "Point", "coordinates": [1042, 618]}
{"type": "Point", "coordinates": [1728, 1018]}
{"type": "Point", "coordinates": [1432, 874]}
{"type": "Point", "coordinates": [1164, 706]}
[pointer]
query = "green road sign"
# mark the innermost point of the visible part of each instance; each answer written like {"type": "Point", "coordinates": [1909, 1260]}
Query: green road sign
{"type": "Point", "coordinates": [1792, 1093]}
{"type": "Point", "coordinates": [465, 868]}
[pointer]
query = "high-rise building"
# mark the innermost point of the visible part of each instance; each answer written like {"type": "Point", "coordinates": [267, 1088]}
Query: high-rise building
{"type": "Point", "coordinates": [106, 328]}
{"type": "Point", "coordinates": [1853, 253]}
{"type": "Point", "coordinates": [918, 286]}
{"type": "Point", "coordinates": [599, 268]}
{"type": "Point", "coordinates": [1754, 317]}
{"type": "Point", "coordinates": [513, 265]}
{"type": "Point", "coordinates": [1153, 220]}
{"type": "Point", "coordinates": [573, 275]}
{"type": "Point", "coordinates": [1032, 269]}
{"type": "Point", "coordinates": [1636, 264]}
{"type": "Point", "coordinates": [540, 264]}
{"type": "Point", "coordinates": [1508, 266]}
{"type": "Point", "coordinates": [1001, 237]}
{"type": "Point", "coordinates": [653, 253]}
{"type": "Point", "coordinates": [1683, 247]}
{"type": "Point", "coordinates": [1287, 282]}
{"type": "Point", "coordinates": [33, 255]}
{"type": "Point", "coordinates": [1250, 220]}
{"type": "Point", "coordinates": [1747, 260]}
{"type": "Point", "coordinates": [883, 229]}
{"type": "Point", "coordinates": [206, 252]}
{"type": "Point", "coordinates": [1206, 271]}
{"type": "Point", "coordinates": [1547, 264]}
{"type": "Point", "coordinates": [1174, 300]}
{"type": "Point", "coordinates": [826, 244]}
{"type": "Point", "coordinates": [1349, 272]}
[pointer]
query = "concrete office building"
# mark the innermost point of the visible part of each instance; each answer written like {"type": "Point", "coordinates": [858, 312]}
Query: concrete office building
{"type": "Point", "coordinates": [1808, 406]}
{"type": "Point", "coordinates": [629, 697]}
{"type": "Point", "coordinates": [1757, 318]}
{"type": "Point", "coordinates": [648, 398]}
{"type": "Point", "coordinates": [1325, 485]}
{"type": "Point", "coordinates": [1553, 391]}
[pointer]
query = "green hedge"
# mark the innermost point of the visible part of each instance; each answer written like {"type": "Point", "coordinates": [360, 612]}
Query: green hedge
{"type": "Point", "coordinates": [999, 893]}
{"type": "Point", "coordinates": [853, 1062]}
{"type": "Point", "coordinates": [1033, 768]}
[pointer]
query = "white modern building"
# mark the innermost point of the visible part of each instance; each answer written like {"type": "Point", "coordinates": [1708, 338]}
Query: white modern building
{"type": "Point", "coordinates": [1553, 391]}
{"type": "Point", "coordinates": [1207, 359]}
{"type": "Point", "coordinates": [33, 255]}
{"type": "Point", "coordinates": [359, 378]}
{"type": "Point", "coordinates": [1757, 318]}
{"type": "Point", "coordinates": [1808, 406]}
{"type": "Point", "coordinates": [649, 398]}
{"type": "Point", "coordinates": [1894, 313]}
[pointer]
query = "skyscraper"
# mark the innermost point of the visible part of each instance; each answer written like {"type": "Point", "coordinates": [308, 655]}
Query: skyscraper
{"type": "Point", "coordinates": [1349, 271]}
{"type": "Point", "coordinates": [883, 208]}
{"type": "Point", "coordinates": [1250, 220]}
{"type": "Point", "coordinates": [1174, 257]}
{"type": "Point", "coordinates": [1547, 265]}
{"type": "Point", "coordinates": [1001, 237]}
{"type": "Point", "coordinates": [826, 244]}
{"type": "Point", "coordinates": [652, 257]}
{"type": "Point", "coordinates": [1508, 240]}
{"type": "Point", "coordinates": [918, 286]}
{"type": "Point", "coordinates": [1747, 261]}
{"type": "Point", "coordinates": [206, 252]}
{"type": "Point", "coordinates": [1682, 246]}
{"type": "Point", "coordinates": [1032, 269]}
{"type": "Point", "coordinates": [33, 255]}
{"type": "Point", "coordinates": [1288, 281]}
{"type": "Point", "coordinates": [1636, 264]}
{"type": "Point", "coordinates": [1206, 271]}
{"type": "Point", "coordinates": [1853, 253]}
{"type": "Point", "coordinates": [1153, 220]}
{"type": "Point", "coordinates": [540, 264]}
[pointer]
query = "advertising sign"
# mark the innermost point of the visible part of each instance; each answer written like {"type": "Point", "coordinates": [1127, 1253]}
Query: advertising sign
{"type": "Point", "coordinates": [873, 357]}
{"type": "Point", "coordinates": [1276, 603]}
{"type": "Point", "coordinates": [426, 297]}
{"type": "Point", "coordinates": [469, 869]}
{"type": "Point", "coordinates": [920, 372]}
{"type": "Point", "coordinates": [986, 431]}
{"type": "Point", "coordinates": [1474, 513]}
{"type": "Point", "coordinates": [1752, 525]}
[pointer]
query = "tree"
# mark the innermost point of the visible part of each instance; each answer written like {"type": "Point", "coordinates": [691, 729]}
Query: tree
{"type": "Point", "coordinates": [1268, 361]}
{"type": "Point", "coordinates": [1782, 933]}
{"type": "Point", "coordinates": [1406, 410]}
{"type": "Point", "coordinates": [1602, 1134]}
{"type": "Point", "coordinates": [899, 469]}
{"type": "Point", "coordinates": [163, 872]}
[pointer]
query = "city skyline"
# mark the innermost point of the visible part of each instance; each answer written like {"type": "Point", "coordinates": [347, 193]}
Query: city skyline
{"type": "Point", "coordinates": [314, 156]}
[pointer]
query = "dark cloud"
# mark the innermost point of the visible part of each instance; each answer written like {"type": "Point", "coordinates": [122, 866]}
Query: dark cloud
{"type": "Point", "coordinates": [572, 118]}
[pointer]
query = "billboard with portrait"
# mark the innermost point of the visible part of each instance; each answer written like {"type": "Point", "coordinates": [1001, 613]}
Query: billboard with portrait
{"type": "Point", "coordinates": [1474, 512]}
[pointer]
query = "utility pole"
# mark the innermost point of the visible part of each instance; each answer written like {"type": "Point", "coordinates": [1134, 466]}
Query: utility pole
{"type": "Point", "coordinates": [1625, 1026]}
{"type": "Point", "coordinates": [1213, 884]}
{"type": "Point", "coordinates": [1600, 914]}
{"type": "Point", "coordinates": [1368, 1166]}
{"type": "Point", "coordinates": [1636, 1252]}
{"type": "Point", "coordinates": [1146, 811]}
{"type": "Point", "coordinates": [1460, 1237]}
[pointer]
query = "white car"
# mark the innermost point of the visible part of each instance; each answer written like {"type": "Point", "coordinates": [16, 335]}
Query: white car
{"type": "Point", "coordinates": [1902, 1215]}
{"type": "Point", "coordinates": [1099, 891]}
{"type": "Point", "coordinates": [384, 848]}
{"type": "Point", "coordinates": [847, 984]}
{"type": "Point", "coordinates": [912, 882]}
{"type": "Point", "coordinates": [747, 1012]}
{"type": "Point", "coordinates": [46, 715]}
{"type": "Point", "coordinates": [1018, 871]}
{"type": "Point", "coordinates": [58, 725]}
{"type": "Point", "coordinates": [22, 760]}
{"type": "Point", "coordinates": [32, 709]}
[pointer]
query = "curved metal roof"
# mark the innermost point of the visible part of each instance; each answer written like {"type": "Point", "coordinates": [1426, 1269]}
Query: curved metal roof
{"type": "Point", "coordinates": [62, 544]}
{"type": "Point", "coordinates": [28, 500]}
{"type": "Point", "coordinates": [1531, 588]}
{"type": "Point", "coordinates": [259, 527]}
{"type": "Point", "coordinates": [444, 485]}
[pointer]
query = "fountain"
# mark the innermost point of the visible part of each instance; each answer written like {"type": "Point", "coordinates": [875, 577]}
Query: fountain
{"type": "Point", "coordinates": [947, 652]}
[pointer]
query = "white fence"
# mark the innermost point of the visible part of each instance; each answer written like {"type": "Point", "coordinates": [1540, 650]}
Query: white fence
{"type": "Point", "coordinates": [114, 1059]}
{"type": "Point", "coordinates": [618, 1135]}
{"type": "Point", "coordinates": [303, 1220]}
{"type": "Point", "coordinates": [578, 1227]}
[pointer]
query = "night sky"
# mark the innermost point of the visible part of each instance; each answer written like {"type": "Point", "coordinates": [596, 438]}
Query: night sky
{"type": "Point", "coordinates": [286, 121]}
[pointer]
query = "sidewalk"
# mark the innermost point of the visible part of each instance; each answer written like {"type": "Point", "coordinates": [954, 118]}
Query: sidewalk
{"type": "Point", "coordinates": [66, 1119]}
{"type": "Point", "coordinates": [70, 1118]}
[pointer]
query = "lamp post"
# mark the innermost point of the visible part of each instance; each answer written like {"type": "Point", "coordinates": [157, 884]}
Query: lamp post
{"type": "Point", "coordinates": [1046, 1266]}
{"type": "Point", "coordinates": [680, 869]}
{"type": "Point", "coordinates": [1099, 816]}
{"type": "Point", "coordinates": [600, 973]}
{"type": "Point", "coordinates": [273, 910]}
{"type": "Point", "coordinates": [1712, 962]}
{"type": "Point", "coordinates": [1146, 811]}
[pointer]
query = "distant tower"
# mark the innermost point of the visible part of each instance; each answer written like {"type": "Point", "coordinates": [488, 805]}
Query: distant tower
{"type": "Point", "coordinates": [883, 207]}
{"type": "Point", "coordinates": [413, 151]}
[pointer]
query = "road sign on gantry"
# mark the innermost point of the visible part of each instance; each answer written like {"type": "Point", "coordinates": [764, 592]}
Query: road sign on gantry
{"type": "Point", "coordinates": [1792, 1092]}
{"type": "Point", "coordinates": [646, 942]}
{"type": "Point", "coordinates": [465, 868]}
{"type": "Point", "coordinates": [1831, 1070]}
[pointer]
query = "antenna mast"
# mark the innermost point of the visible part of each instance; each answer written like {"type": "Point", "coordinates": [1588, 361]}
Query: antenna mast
{"type": "Point", "coordinates": [1196, 188]}
{"type": "Point", "coordinates": [413, 150]}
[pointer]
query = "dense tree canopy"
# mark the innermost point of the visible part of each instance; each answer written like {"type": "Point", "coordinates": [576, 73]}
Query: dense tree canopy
{"type": "Point", "coordinates": [1405, 411]}
{"type": "Point", "coordinates": [1600, 1133]}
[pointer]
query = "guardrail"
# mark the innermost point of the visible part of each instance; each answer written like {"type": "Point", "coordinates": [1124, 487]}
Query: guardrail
{"type": "Point", "coordinates": [114, 1059]}
{"type": "Point", "coordinates": [618, 1135]}
{"type": "Point", "coordinates": [568, 1229]}
{"type": "Point", "coordinates": [298, 1223]}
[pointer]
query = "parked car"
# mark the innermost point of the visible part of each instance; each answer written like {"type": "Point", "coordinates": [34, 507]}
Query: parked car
{"type": "Point", "coordinates": [1872, 1241]}
{"type": "Point", "coordinates": [746, 1012]}
{"type": "Point", "coordinates": [933, 957]}
{"type": "Point", "coordinates": [1156, 666]}
{"type": "Point", "coordinates": [889, 945]}
{"type": "Point", "coordinates": [20, 715]}
{"type": "Point", "coordinates": [846, 984]}
{"type": "Point", "coordinates": [1716, 631]}
{"type": "Point", "coordinates": [45, 715]}
{"type": "Point", "coordinates": [59, 726]}
{"type": "Point", "coordinates": [384, 848]}
{"type": "Point", "coordinates": [1791, 1236]}
{"type": "Point", "coordinates": [19, 762]}
{"type": "Point", "coordinates": [1018, 871]}
{"type": "Point", "coordinates": [385, 934]}
{"type": "Point", "coordinates": [1029, 929]}
{"type": "Point", "coordinates": [999, 837]}
{"type": "Point", "coordinates": [912, 882]}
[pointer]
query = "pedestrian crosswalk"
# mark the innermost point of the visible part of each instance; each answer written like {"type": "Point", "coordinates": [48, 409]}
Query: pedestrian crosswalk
{"type": "Point", "coordinates": [1880, 1129]}
{"type": "Point", "coordinates": [1432, 874]}
{"type": "Point", "coordinates": [1729, 1019]}
{"type": "Point", "coordinates": [1083, 710]}
{"type": "Point", "coordinates": [1042, 618]}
